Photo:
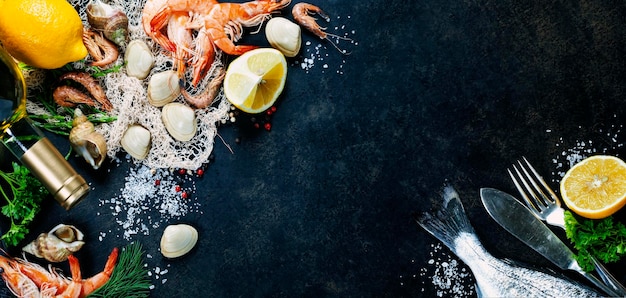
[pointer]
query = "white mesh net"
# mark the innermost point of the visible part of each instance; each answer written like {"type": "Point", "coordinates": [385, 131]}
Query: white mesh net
{"type": "Point", "coordinates": [129, 98]}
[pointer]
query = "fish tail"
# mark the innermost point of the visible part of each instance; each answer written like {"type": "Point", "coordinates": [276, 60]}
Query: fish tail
{"type": "Point", "coordinates": [448, 221]}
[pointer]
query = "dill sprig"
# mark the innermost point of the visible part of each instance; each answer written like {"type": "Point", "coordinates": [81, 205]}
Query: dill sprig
{"type": "Point", "coordinates": [129, 278]}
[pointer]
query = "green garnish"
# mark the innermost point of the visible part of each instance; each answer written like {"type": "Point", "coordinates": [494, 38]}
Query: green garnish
{"type": "Point", "coordinates": [23, 203]}
{"type": "Point", "coordinates": [605, 239]}
{"type": "Point", "coordinates": [129, 278]}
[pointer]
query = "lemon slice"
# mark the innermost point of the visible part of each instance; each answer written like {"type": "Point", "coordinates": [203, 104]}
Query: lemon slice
{"type": "Point", "coordinates": [595, 187]}
{"type": "Point", "coordinates": [255, 79]}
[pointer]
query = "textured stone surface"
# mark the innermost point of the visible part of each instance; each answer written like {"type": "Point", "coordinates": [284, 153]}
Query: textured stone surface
{"type": "Point", "coordinates": [435, 92]}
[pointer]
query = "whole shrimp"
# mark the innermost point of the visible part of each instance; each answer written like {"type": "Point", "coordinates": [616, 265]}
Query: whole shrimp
{"type": "Point", "coordinates": [302, 15]}
{"type": "Point", "coordinates": [225, 21]}
{"type": "Point", "coordinates": [156, 14]}
{"type": "Point", "coordinates": [22, 285]}
{"type": "Point", "coordinates": [57, 284]}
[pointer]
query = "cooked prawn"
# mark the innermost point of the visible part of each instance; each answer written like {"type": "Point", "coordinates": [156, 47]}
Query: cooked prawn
{"type": "Point", "coordinates": [102, 50]}
{"type": "Point", "coordinates": [302, 15]}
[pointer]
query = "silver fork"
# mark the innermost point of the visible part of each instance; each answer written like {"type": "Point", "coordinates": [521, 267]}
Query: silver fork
{"type": "Point", "coordinates": [546, 206]}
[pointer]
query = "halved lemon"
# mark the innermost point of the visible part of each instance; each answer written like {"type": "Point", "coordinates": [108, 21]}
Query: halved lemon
{"type": "Point", "coordinates": [595, 187]}
{"type": "Point", "coordinates": [255, 79]}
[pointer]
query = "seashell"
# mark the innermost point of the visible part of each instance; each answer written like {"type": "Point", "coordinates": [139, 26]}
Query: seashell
{"type": "Point", "coordinates": [163, 88]}
{"type": "Point", "coordinates": [139, 59]}
{"type": "Point", "coordinates": [86, 141]}
{"type": "Point", "coordinates": [136, 141]}
{"type": "Point", "coordinates": [283, 35]}
{"type": "Point", "coordinates": [177, 240]}
{"type": "Point", "coordinates": [109, 20]}
{"type": "Point", "coordinates": [56, 245]}
{"type": "Point", "coordinates": [179, 120]}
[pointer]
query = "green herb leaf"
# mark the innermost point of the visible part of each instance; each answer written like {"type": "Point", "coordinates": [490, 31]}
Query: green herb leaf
{"type": "Point", "coordinates": [605, 239]}
{"type": "Point", "coordinates": [129, 278]}
{"type": "Point", "coordinates": [23, 202]}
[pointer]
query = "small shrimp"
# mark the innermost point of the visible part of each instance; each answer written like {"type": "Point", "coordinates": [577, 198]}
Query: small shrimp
{"type": "Point", "coordinates": [19, 284]}
{"type": "Point", "coordinates": [206, 98]}
{"type": "Point", "coordinates": [93, 283]}
{"type": "Point", "coordinates": [67, 96]}
{"type": "Point", "coordinates": [92, 86]}
{"type": "Point", "coordinates": [103, 51]}
{"type": "Point", "coordinates": [182, 37]}
{"type": "Point", "coordinates": [225, 21]}
{"type": "Point", "coordinates": [156, 14]}
{"type": "Point", "coordinates": [302, 15]}
{"type": "Point", "coordinates": [203, 57]}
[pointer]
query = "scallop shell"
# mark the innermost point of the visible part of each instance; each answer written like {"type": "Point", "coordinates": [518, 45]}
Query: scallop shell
{"type": "Point", "coordinates": [163, 88]}
{"type": "Point", "coordinates": [56, 245]}
{"type": "Point", "coordinates": [86, 141]}
{"type": "Point", "coordinates": [177, 240]}
{"type": "Point", "coordinates": [136, 141]}
{"type": "Point", "coordinates": [179, 120]}
{"type": "Point", "coordinates": [139, 59]}
{"type": "Point", "coordinates": [284, 35]}
{"type": "Point", "coordinates": [109, 20]}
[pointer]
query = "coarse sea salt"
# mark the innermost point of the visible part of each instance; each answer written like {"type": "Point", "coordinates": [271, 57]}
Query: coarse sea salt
{"type": "Point", "coordinates": [317, 52]}
{"type": "Point", "coordinates": [148, 191]}
{"type": "Point", "coordinates": [448, 276]}
{"type": "Point", "coordinates": [608, 143]}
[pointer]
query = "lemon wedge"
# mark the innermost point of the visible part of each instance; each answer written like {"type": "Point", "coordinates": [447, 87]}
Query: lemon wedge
{"type": "Point", "coordinates": [595, 187]}
{"type": "Point", "coordinates": [255, 79]}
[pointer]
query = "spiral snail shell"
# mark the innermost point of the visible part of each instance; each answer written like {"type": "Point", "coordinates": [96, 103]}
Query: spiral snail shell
{"type": "Point", "coordinates": [109, 20]}
{"type": "Point", "coordinates": [86, 141]}
{"type": "Point", "coordinates": [56, 245]}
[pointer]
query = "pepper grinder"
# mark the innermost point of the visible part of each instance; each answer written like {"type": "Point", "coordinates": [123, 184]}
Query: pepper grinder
{"type": "Point", "coordinates": [29, 145]}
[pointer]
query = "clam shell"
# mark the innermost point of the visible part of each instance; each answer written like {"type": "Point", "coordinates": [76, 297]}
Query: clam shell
{"type": "Point", "coordinates": [110, 20]}
{"type": "Point", "coordinates": [179, 120]}
{"type": "Point", "coordinates": [284, 35]}
{"type": "Point", "coordinates": [56, 245]}
{"type": "Point", "coordinates": [177, 240]}
{"type": "Point", "coordinates": [163, 88]}
{"type": "Point", "coordinates": [139, 59]}
{"type": "Point", "coordinates": [136, 141]}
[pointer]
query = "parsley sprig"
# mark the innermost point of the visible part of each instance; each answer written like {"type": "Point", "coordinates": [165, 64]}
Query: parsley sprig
{"type": "Point", "coordinates": [605, 239]}
{"type": "Point", "coordinates": [23, 202]}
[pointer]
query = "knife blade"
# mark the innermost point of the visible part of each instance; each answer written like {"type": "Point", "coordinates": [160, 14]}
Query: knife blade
{"type": "Point", "coordinates": [518, 220]}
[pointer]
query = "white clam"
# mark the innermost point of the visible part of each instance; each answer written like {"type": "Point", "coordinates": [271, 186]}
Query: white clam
{"type": "Point", "coordinates": [163, 88]}
{"type": "Point", "coordinates": [177, 240]}
{"type": "Point", "coordinates": [136, 141]}
{"type": "Point", "coordinates": [284, 35]}
{"type": "Point", "coordinates": [139, 59]}
{"type": "Point", "coordinates": [179, 120]}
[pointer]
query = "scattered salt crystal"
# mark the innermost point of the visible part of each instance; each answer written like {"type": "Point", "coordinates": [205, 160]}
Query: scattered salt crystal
{"type": "Point", "coordinates": [449, 276]}
{"type": "Point", "coordinates": [141, 196]}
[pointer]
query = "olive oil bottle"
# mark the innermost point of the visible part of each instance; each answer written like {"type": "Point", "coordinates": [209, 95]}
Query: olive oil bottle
{"type": "Point", "coordinates": [29, 145]}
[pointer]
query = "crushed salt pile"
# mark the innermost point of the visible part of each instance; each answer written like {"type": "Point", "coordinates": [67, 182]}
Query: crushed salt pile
{"type": "Point", "coordinates": [449, 277]}
{"type": "Point", "coordinates": [147, 191]}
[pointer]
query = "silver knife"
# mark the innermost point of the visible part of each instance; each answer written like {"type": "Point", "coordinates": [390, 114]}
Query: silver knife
{"type": "Point", "coordinates": [516, 218]}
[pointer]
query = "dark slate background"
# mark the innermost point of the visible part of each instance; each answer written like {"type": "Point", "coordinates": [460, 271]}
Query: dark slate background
{"type": "Point", "coordinates": [434, 92]}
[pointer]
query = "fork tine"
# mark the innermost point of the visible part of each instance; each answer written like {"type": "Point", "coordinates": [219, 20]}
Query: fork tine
{"type": "Point", "coordinates": [552, 198]}
{"type": "Point", "coordinates": [534, 188]}
{"type": "Point", "coordinates": [529, 203]}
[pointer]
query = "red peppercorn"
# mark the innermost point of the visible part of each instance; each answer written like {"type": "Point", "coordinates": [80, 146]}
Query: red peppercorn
{"type": "Point", "coordinates": [183, 195]}
{"type": "Point", "coordinates": [269, 112]}
{"type": "Point", "coordinates": [256, 125]}
{"type": "Point", "coordinates": [200, 172]}
{"type": "Point", "coordinates": [267, 126]}
{"type": "Point", "coordinates": [273, 109]}
{"type": "Point", "coordinates": [177, 188]}
{"type": "Point", "coordinates": [182, 171]}
{"type": "Point", "coordinates": [157, 182]}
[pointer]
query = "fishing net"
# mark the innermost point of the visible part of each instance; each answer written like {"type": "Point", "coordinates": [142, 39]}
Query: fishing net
{"type": "Point", "coordinates": [129, 98]}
